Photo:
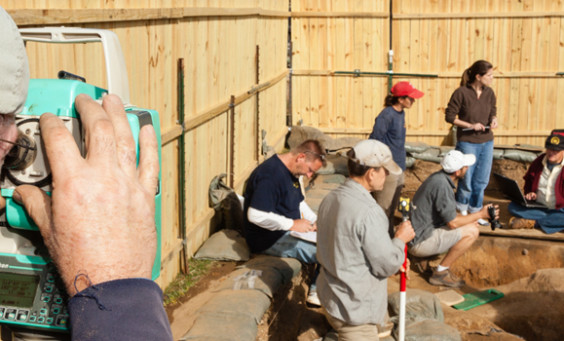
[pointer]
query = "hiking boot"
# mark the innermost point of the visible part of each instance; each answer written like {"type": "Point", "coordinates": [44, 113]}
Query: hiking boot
{"type": "Point", "coordinates": [446, 278]}
{"type": "Point", "coordinates": [521, 223]}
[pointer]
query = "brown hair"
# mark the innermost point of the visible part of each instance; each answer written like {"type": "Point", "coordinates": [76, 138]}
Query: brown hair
{"type": "Point", "coordinates": [312, 149]}
{"type": "Point", "coordinates": [391, 100]}
{"type": "Point", "coordinates": [355, 168]}
{"type": "Point", "coordinates": [480, 67]}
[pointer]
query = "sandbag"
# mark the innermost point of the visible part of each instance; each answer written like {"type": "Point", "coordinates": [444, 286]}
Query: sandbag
{"type": "Point", "coordinates": [519, 155]}
{"type": "Point", "coordinates": [431, 154]}
{"type": "Point", "coordinates": [272, 273]}
{"type": "Point", "coordinates": [498, 154]}
{"type": "Point", "coordinates": [429, 330]}
{"type": "Point", "coordinates": [229, 315]}
{"type": "Point", "coordinates": [226, 245]}
{"type": "Point", "coordinates": [329, 168]}
{"type": "Point", "coordinates": [420, 305]}
{"type": "Point", "coordinates": [339, 164]}
{"type": "Point", "coordinates": [409, 161]}
{"type": "Point", "coordinates": [416, 147]}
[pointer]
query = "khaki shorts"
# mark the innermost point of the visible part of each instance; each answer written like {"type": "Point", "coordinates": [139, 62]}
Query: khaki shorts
{"type": "Point", "coordinates": [440, 241]}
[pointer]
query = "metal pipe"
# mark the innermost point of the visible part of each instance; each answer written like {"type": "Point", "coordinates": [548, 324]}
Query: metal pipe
{"type": "Point", "coordinates": [387, 73]}
{"type": "Point", "coordinates": [390, 51]}
{"type": "Point", "coordinates": [182, 164]}
{"type": "Point", "coordinates": [231, 147]}
{"type": "Point", "coordinates": [257, 103]}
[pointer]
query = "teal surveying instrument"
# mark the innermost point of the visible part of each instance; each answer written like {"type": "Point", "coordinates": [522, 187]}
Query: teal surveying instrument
{"type": "Point", "coordinates": [31, 292]}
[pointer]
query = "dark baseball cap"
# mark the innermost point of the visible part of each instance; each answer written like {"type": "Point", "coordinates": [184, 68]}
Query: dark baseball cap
{"type": "Point", "coordinates": [555, 140]}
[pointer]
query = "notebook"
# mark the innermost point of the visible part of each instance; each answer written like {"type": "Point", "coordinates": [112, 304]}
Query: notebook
{"type": "Point", "coordinates": [307, 236]}
{"type": "Point", "coordinates": [511, 190]}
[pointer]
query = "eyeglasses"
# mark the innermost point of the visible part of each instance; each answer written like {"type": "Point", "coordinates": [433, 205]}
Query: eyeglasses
{"type": "Point", "coordinates": [320, 156]}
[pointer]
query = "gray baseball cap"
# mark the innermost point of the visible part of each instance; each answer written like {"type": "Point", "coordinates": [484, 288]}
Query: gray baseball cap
{"type": "Point", "coordinates": [373, 153]}
{"type": "Point", "coordinates": [14, 67]}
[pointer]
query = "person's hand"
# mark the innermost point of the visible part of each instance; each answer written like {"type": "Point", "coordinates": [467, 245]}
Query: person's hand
{"type": "Point", "coordinates": [494, 124]}
{"type": "Point", "coordinates": [99, 224]}
{"type": "Point", "coordinates": [531, 196]}
{"type": "Point", "coordinates": [478, 127]}
{"type": "Point", "coordinates": [303, 225]}
{"type": "Point", "coordinates": [406, 268]}
{"type": "Point", "coordinates": [405, 232]}
{"type": "Point", "coordinates": [485, 214]}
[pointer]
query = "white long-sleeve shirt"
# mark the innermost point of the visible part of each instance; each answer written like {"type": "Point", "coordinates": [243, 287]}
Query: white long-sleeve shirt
{"type": "Point", "coordinates": [276, 222]}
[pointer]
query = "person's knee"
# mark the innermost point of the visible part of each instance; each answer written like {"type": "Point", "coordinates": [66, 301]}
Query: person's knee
{"type": "Point", "coordinates": [470, 232]}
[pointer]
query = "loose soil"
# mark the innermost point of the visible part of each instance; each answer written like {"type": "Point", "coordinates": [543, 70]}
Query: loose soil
{"type": "Point", "coordinates": [508, 260]}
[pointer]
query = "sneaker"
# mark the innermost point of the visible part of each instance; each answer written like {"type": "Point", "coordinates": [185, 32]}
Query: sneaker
{"type": "Point", "coordinates": [521, 223]}
{"type": "Point", "coordinates": [446, 278]}
{"type": "Point", "coordinates": [464, 212]}
{"type": "Point", "coordinates": [483, 222]}
{"type": "Point", "coordinates": [313, 299]}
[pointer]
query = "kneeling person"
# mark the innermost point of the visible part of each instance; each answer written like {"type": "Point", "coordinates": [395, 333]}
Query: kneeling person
{"type": "Point", "coordinates": [438, 227]}
{"type": "Point", "coordinates": [354, 250]}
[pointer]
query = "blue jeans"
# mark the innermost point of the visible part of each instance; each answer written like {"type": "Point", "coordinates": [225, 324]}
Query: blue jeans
{"type": "Point", "coordinates": [550, 221]}
{"type": "Point", "coordinates": [290, 247]}
{"type": "Point", "coordinates": [470, 192]}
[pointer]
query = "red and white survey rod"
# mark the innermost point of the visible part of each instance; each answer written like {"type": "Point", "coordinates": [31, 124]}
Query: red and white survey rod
{"type": "Point", "coordinates": [403, 282]}
{"type": "Point", "coordinates": [404, 209]}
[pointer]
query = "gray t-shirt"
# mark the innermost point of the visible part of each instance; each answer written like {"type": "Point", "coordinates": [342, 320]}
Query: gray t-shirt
{"type": "Point", "coordinates": [433, 205]}
{"type": "Point", "coordinates": [356, 255]}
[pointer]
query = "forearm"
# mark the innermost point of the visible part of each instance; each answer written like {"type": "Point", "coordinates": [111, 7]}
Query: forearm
{"type": "Point", "coordinates": [462, 124]}
{"type": "Point", "coordinates": [462, 220]}
{"type": "Point", "coordinates": [269, 220]}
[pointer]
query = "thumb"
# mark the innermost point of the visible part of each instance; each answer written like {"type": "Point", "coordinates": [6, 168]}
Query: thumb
{"type": "Point", "coordinates": [38, 205]}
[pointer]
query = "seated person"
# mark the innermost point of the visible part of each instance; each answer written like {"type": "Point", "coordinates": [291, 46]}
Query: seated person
{"type": "Point", "coordinates": [544, 183]}
{"type": "Point", "coordinates": [355, 252]}
{"type": "Point", "coordinates": [438, 227]}
{"type": "Point", "coordinates": [274, 206]}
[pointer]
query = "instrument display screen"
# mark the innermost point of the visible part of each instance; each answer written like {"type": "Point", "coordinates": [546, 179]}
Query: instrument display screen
{"type": "Point", "coordinates": [17, 290]}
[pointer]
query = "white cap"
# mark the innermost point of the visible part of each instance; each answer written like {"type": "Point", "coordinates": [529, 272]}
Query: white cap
{"type": "Point", "coordinates": [373, 153]}
{"type": "Point", "coordinates": [14, 68]}
{"type": "Point", "coordinates": [455, 160]}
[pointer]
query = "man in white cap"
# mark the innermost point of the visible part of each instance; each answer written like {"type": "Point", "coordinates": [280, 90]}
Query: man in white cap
{"type": "Point", "coordinates": [438, 227]}
{"type": "Point", "coordinates": [354, 248]}
{"type": "Point", "coordinates": [104, 249]}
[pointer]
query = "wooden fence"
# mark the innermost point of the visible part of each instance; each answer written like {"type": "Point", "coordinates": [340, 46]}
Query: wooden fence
{"type": "Point", "coordinates": [433, 42]}
{"type": "Point", "coordinates": [216, 71]}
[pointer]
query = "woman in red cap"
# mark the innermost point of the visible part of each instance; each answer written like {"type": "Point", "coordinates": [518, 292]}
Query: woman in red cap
{"type": "Point", "coordinates": [389, 128]}
{"type": "Point", "coordinates": [472, 109]}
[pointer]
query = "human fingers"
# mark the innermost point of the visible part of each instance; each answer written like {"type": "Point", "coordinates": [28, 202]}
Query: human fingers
{"type": "Point", "coordinates": [38, 205]}
{"type": "Point", "coordinates": [148, 159]}
{"type": "Point", "coordinates": [100, 138]}
{"type": "Point", "coordinates": [60, 146]}
{"type": "Point", "coordinates": [125, 145]}
{"type": "Point", "coordinates": [314, 226]}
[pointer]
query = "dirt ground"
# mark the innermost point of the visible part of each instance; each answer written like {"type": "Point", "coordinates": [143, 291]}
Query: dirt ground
{"type": "Point", "coordinates": [508, 260]}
